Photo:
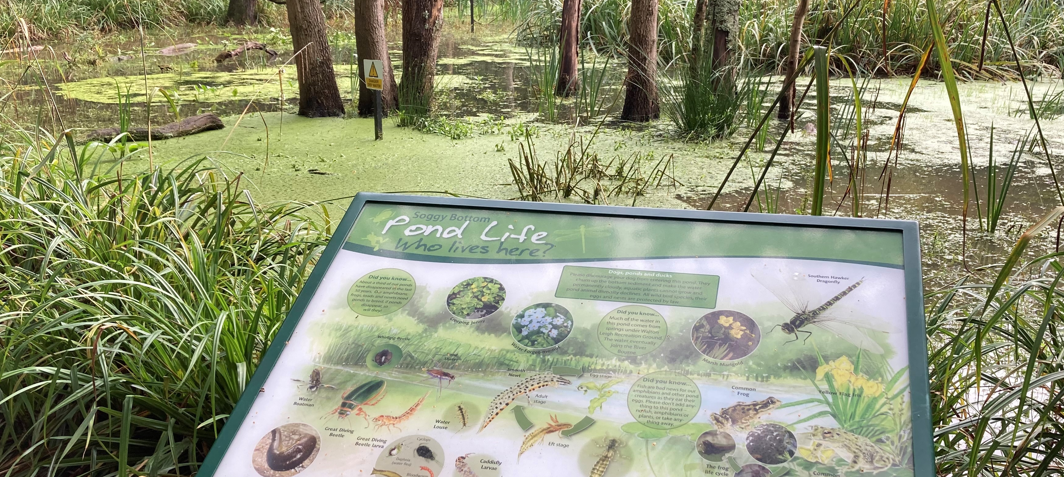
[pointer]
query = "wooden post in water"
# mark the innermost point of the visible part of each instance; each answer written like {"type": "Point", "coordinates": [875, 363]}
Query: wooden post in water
{"type": "Point", "coordinates": [378, 116]}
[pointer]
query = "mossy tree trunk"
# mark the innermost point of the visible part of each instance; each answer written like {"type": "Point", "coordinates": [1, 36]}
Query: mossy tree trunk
{"type": "Point", "coordinates": [318, 94]}
{"type": "Point", "coordinates": [641, 89]}
{"type": "Point", "coordinates": [568, 79]}
{"type": "Point", "coordinates": [786, 110]}
{"type": "Point", "coordinates": [714, 28]}
{"type": "Point", "coordinates": [242, 12]}
{"type": "Point", "coordinates": [371, 44]}
{"type": "Point", "coordinates": [422, 23]}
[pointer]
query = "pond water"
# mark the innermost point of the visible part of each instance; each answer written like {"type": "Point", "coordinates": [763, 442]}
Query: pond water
{"type": "Point", "coordinates": [487, 90]}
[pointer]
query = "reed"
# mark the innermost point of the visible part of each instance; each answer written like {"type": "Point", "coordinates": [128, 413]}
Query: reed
{"type": "Point", "coordinates": [136, 306]}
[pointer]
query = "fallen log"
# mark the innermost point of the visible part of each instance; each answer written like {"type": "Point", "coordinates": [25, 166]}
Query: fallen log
{"type": "Point", "coordinates": [185, 127]}
{"type": "Point", "coordinates": [251, 45]}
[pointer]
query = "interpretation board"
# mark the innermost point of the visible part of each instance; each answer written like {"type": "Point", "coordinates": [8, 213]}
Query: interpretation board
{"type": "Point", "coordinates": [458, 337]}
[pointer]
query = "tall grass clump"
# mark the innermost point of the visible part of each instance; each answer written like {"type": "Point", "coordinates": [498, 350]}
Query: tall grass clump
{"type": "Point", "coordinates": [997, 380]}
{"type": "Point", "coordinates": [705, 105]}
{"type": "Point", "coordinates": [135, 306]}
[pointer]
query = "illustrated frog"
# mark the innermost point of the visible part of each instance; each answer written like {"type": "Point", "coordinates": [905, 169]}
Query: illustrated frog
{"type": "Point", "coordinates": [865, 456]}
{"type": "Point", "coordinates": [743, 415]}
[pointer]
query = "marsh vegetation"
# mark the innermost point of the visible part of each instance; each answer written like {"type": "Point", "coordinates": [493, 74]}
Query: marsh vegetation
{"type": "Point", "coordinates": [142, 280]}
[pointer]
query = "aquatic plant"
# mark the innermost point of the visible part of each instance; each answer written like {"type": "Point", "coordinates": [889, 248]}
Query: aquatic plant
{"type": "Point", "coordinates": [476, 298]}
{"type": "Point", "coordinates": [861, 404]}
{"type": "Point", "coordinates": [998, 190]}
{"type": "Point", "coordinates": [725, 335]}
{"type": "Point", "coordinates": [164, 288]}
{"type": "Point", "coordinates": [542, 325]}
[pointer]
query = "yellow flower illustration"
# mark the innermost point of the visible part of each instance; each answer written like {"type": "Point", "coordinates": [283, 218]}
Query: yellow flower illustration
{"type": "Point", "coordinates": [738, 326]}
{"type": "Point", "coordinates": [736, 333]}
{"type": "Point", "coordinates": [726, 320]}
{"type": "Point", "coordinates": [837, 367]}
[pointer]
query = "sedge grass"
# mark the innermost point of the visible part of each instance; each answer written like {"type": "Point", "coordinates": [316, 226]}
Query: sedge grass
{"type": "Point", "coordinates": [136, 306]}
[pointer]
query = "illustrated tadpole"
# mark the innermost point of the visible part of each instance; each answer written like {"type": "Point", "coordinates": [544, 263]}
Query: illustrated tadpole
{"type": "Point", "coordinates": [282, 460]}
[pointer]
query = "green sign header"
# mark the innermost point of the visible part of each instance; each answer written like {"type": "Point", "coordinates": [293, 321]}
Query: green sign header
{"type": "Point", "coordinates": [445, 234]}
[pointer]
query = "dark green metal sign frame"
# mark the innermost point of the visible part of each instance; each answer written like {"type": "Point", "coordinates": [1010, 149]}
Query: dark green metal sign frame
{"type": "Point", "coordinates": [923, 449]}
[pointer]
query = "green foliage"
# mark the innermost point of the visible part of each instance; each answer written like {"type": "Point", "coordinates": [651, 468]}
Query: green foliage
{"type": "Point", "coordinates": [476, 297]}
{"type": "Point", "coordinates": [705, 104]}
{"type": "Point", "coordinates": [135, 306]}
{"type": "Point", "coordinates": [997, 383]}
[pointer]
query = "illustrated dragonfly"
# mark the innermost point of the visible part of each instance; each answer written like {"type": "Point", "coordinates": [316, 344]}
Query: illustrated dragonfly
{"type": "Point", "coordinates": [795, 290]}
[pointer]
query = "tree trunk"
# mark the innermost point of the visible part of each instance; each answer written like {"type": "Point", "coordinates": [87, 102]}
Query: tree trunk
{"type": "Point", "coordinates": [723, 20]}
{"type": "Point", "coordinates": [242, 12]}
{"type": "Point", "coordinates": [422, 22]}
{"type": "Point", "coordinates": [698, 26]}
{"type": "Point", "coordinates": [787, 105]}
{"type": "Point", "coordinates": [568, 80]}
{"type": "Point", "coordinates": [641, 94]}
{"type": "Point", "coordinates": [318, 94]}
{"type": "Point", "coordinates": [372, 45]}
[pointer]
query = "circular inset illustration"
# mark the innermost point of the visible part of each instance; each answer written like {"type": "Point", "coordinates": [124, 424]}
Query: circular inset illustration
{"type": "Point", "coordinates": [607, 456]}
{"type": "Point", "coordinates": [632, 330]}
{"type": "Point", "coordinates": [476, 298]}
{"type": "Point", "coordinates": [477, 465]}
{"type": "Point", "coordinates": [410, 455]}
{"type": "Point", "coordinates": [286, 450]}
{"type": "Point", "coordinates": [714, 445]}
{"type": "Point", "coordinates": [771, 444]}
{"type": "Point", "coordinates": [381, 292]}
{"type": "Point", "coordinates": [753, 470]}
{"type": "Point", "coordinates": [542, 326]}
{"type": "Point", "coordinates": [664, 400]}
{"type": "Point", "coordinates": [725, 335]}
{"type": "Point", "coordinates": [383, 357]}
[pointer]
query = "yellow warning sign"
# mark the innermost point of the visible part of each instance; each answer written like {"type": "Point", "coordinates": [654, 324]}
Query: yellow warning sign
{"type": "Point", "coordinates": [374, 70]}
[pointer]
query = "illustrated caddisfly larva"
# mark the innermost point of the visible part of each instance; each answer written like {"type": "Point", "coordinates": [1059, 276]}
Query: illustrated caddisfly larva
{"type": "Point", "coordinates": [314, 383]}
{"type": "Point", "coordinates": [604, 460]}
{"type": "Point", "coordinates": [366, 394]}
{"type": "Point", "coordinates": [285, 459]}
{"type": "Point", "coordinates": [537, 435]}
{"type": "Point", "coordinates": [426, 469]}
{"type": "Point", "coordinates": [794, 290]}
{"type": "Point", "coordinates": [440, 375]}
{"type": "Point", "coordinates": [395, 449]}
{"type": "Point", "coordinates": [463, 467]}
{"type": "Point", "coordinates": [424, 452]}
{"type": "Point", "coordinates": [383, 357]}
{"type": "Point", "coordinates": [394, 421]}
{"type": "Point", "coordinates": [527, 385]}
{"type": "Point", "coordinates": [463, 416]}
{"type": "Point", "coordinates": [384, 473]}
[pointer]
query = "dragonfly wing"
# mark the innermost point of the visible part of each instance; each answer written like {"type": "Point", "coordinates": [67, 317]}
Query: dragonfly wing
{"type": "Point", "coordinates": [785, 284]}
{"type": "Point", "coordinates": [850, 333]}
{"type": "Point", "coordinates": [850, 314]}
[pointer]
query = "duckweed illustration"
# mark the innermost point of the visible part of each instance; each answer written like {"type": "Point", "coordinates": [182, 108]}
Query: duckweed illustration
{"type": "Point", "coordinates": [542, 326]}
{"type": "Point", "coordinates": [725, 335]}
{"type": "Point", "coordinates": [476, 298]}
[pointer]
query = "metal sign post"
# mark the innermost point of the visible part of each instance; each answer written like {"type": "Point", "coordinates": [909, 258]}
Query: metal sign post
{"type": "Point", "coordinates": [374, 71]}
